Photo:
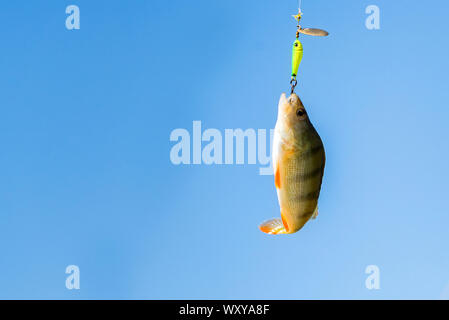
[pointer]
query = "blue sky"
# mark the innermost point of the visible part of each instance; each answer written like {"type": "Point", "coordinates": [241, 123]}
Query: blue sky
{"type": "Point", "coordinates": [86, 117]}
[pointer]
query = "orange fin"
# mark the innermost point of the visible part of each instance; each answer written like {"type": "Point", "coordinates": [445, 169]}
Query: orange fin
{"type": "Point", "coordinates": [284, 222]}
{"type": "Point", "coordinates": [277, 177]}
{"type": "Point", "coordinates": [273, 226]}
{"type": "Point", "coordinates": [315, 213]}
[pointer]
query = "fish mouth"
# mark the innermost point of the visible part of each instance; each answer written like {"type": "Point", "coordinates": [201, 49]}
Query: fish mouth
{"type": "Point", "coordinates": [294, 100]}
{"type": "Point", "coordinates": [282, 100]}
{"type": "Point", "coordinates": [287, 105]}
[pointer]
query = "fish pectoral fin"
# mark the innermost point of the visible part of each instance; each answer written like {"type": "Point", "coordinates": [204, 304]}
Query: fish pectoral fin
{"type": "Point", "coordinates": [273, 226]}
{"type": "Point", "coordinates": [277, 177]}
{"type": "Point", "coordinates": [315, 213]}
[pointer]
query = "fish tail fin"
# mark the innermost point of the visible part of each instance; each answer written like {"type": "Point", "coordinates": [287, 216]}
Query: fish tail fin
{"type": "Point", "coordinates": [273, 226]}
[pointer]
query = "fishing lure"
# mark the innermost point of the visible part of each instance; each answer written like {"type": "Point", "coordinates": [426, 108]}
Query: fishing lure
{"type": "Point", "coordinates": [296, 57]}
{"type": "Point", "coordinates": [298, 51]}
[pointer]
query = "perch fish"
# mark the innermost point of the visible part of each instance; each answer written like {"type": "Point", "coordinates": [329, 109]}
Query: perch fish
{"type": "Point", "coordinates": [298, 162]}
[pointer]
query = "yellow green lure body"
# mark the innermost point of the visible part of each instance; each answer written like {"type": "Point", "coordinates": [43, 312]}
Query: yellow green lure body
{"type": "Point", "coordinates": [296, 57]}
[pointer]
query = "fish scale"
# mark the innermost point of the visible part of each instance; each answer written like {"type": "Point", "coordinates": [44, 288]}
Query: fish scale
{"type": "Point", "coordinates": [298, 161]}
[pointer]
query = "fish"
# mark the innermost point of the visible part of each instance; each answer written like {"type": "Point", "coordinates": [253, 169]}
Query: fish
{"type": "Point", "coordinates": [298, 161]}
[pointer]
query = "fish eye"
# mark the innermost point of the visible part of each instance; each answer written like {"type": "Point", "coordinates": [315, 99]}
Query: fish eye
{"type": "Point", "coordinates": [300, 112]}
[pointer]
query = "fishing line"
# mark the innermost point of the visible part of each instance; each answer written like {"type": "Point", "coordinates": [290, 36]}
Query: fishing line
{"type": "Point", "coordinates": [293, 81]}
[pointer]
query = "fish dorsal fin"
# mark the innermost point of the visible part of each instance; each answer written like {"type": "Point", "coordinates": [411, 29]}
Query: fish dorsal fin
{"type": "Point", "coordinates": [315, 213]}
